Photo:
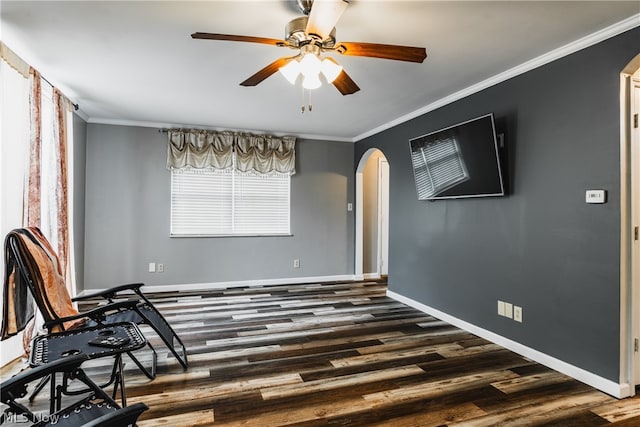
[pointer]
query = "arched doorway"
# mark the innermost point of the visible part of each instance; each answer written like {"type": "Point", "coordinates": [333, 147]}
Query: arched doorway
{"type": "Point", "coordinates": [372, 215]}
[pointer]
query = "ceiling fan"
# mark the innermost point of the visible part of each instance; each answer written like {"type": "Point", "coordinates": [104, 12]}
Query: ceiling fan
{"type": "Point", "coordinates": [313, 35]}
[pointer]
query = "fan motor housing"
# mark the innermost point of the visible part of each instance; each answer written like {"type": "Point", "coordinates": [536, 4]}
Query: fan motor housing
{"type": "Point", "coordinates": [295, 35]}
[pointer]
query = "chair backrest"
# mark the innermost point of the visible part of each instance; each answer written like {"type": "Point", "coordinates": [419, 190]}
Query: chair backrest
{"type": "Point", "coordinates": [17, 301]}
{"type": "Point", "coordinates": [39, 267]}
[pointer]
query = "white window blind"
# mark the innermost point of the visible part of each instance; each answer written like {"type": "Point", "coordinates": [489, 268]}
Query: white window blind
{"type": "Point", "coordinates": [229, 203]}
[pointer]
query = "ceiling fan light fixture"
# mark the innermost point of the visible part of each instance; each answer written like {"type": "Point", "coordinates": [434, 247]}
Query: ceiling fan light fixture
{"type": "Point", "coordinates": [310, 65]}
{"type": "Point", "coordinates": [330, 69]}
{"type": "Point", "coordinates": [291, 71]}
{"type": "Point", "coordinates": [311, 81]}
{"type": "Point", "coordinates": [312, 35]}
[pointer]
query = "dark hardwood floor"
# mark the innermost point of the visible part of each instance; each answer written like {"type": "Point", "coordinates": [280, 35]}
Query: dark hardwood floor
{"type": "Point", "coordinates": [343, 354]}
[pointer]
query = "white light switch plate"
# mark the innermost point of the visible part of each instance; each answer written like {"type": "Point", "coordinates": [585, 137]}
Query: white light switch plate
{"type": "Point", "coordinates": [596, 196]}
{"type": "Point", "coordinates": [508, 310]}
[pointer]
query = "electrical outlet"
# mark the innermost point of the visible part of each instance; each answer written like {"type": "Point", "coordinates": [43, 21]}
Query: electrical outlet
{"type": "Point", "coordinates": [517, 313]}
{"type": "Point", "coordinates": [296, 263]}
{"type": "Point", "coordinates": [152, 267]}
{"type": "Point", "coordinates": [160, 268]}
{"type": "Point", "coordinates": [508, 310]}
{"type": "Point", "coordinates": [500, 308]}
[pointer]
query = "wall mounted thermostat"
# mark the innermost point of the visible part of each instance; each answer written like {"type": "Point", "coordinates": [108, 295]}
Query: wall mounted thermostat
{"type": "Point", "coordinates": [596, 196]}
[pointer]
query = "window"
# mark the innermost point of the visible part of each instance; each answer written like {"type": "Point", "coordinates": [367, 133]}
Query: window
{"type": "Point", "coordinates": [229, 183]}
{"type": "Point", "coordinates": [229, 203]}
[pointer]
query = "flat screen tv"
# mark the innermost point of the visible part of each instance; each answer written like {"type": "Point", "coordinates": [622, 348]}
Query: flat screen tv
{"type": "Point", "coordinates": [458, 161]}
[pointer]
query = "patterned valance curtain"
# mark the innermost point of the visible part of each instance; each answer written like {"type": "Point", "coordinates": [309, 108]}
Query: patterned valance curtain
{"type": "Point", "coordinates": [202, 149]}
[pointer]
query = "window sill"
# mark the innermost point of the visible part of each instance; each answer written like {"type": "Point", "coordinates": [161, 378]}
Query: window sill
{"type": "Point", "coordinates": [180, 236]}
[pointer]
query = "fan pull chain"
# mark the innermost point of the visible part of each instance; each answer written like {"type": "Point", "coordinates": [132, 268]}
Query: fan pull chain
{"type": "Point", "coordinates": [308, 104]}
{"type": "Point", "coordinates": [302, 102]}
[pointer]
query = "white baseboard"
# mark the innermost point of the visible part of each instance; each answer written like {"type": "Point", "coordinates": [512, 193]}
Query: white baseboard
{"type": "Point", "coordinates": [237, 284]}
{"type": "Point", "coordinates": [610, 387]}
{"type": "Point", "coordinates": [369, 276]}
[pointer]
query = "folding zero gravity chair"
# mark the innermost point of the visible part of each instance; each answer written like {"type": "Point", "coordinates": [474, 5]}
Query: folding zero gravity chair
{"type": "Point", "coordinates": [30, 257]}
{"type": "Point", "coordinates": [95, 408]}
{"type": "Point", "coordinates": [29, 270]}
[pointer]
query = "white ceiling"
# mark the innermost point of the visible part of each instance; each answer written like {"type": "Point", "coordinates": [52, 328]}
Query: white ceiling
{"type": "Point", "coordinates": [134, 62]}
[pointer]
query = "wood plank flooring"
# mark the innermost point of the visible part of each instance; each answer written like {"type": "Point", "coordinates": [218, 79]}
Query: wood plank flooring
{"type": "Point", "coordinates": [343, 354]}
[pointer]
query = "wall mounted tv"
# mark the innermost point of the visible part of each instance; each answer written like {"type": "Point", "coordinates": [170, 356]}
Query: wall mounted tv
{"type": "Point", "coordinates": [458, 161]}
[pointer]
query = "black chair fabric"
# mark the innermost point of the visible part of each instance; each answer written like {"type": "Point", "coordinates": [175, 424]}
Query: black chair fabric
{"type": "Point", "coordinates": [144, 312]}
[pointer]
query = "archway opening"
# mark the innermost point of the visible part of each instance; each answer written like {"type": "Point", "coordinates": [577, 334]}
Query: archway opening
{"type": "Point", "coordinates": [372, 215]}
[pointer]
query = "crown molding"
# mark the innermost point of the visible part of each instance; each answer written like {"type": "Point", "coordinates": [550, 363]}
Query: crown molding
{"type": "Point", "coordinates": [161, 125]}
{"type": "Point", "coordinates": [575, 46]}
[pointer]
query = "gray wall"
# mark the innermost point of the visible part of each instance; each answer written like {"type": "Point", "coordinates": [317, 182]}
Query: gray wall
{"type": "Point", "coordinates": [79, 177]}
{"type": "Point", "coordinates": [541, 247]}
{"type": "Point", "coordinates": [127, 217]}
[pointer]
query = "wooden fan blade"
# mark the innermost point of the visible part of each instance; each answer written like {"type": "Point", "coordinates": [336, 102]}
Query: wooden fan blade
{"type": "Point", "coordinates": [345, 84]}
{"type": "Point", "coordinates": [231, 37]}
{"type": "Point", "coordinates": [384, 51]}
{"type": "Point", "coordinates": [324, 16]}
{"type": "Point", "coordinates": [266, 71]}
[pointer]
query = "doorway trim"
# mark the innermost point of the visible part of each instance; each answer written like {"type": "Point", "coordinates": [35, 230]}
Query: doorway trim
{"type": "Point", "coordinates": [383, 216]}
{"type": "Point", "coordinates": [629, 247]}
{"type": "Point", "coordinates": [359, 215]}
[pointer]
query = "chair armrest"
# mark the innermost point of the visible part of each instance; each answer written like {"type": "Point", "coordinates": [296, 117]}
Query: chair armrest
{"type": "Point", "coordinates": [95, 314]}
{"type": "Point", "coordinates": [15, 386]}
{"type": "Point", "coordinates": [111, 292]}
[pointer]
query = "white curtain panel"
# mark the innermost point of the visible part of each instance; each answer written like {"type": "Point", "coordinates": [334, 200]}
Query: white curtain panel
{"type": "Point", "coordinates": [14, 157]}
